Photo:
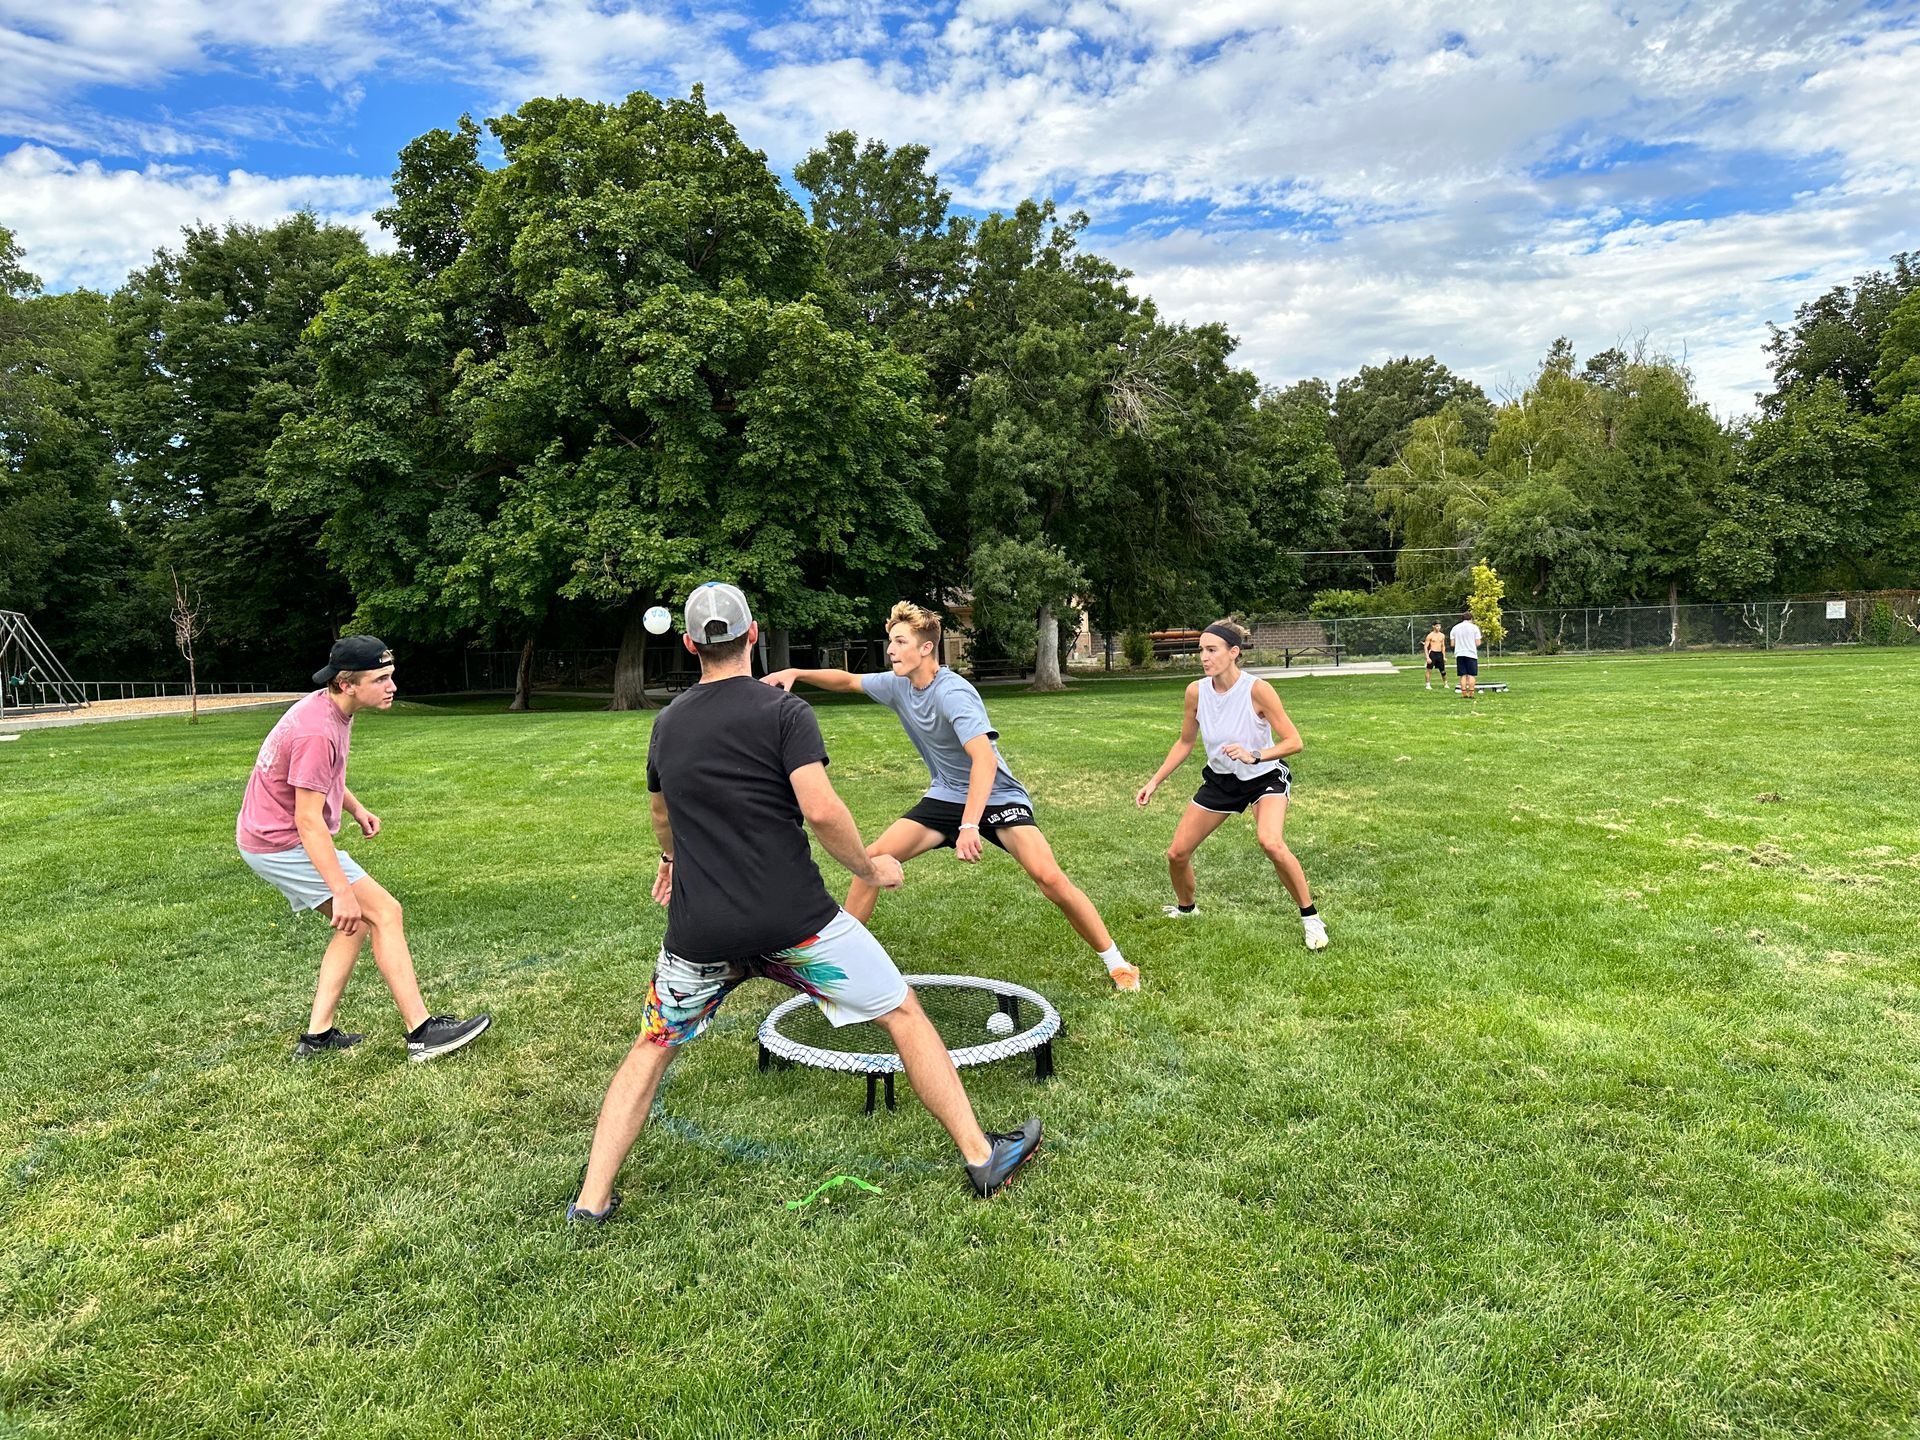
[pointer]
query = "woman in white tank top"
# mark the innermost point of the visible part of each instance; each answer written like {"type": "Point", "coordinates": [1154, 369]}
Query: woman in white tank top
{"type": "Point", "coordinates": [1237, 716]}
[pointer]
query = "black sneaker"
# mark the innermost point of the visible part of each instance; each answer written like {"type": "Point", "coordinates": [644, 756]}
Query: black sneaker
{"type": "Point", "coordinates": [581, 1215]}
{"type": "Point", "coordinates": [331, 1038]}
{"type": "Point", "coordinates": [1011, 1150]}
{"type": "Point", "coordinates": [439, 1034]}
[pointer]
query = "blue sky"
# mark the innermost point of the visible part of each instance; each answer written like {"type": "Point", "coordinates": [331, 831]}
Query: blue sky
{"type": "Point", "coordinates": [1337, 182]}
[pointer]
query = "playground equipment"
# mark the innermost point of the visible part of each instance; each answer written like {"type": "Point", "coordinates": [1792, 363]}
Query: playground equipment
{"type": "Point", "coordinates": [32, 679]}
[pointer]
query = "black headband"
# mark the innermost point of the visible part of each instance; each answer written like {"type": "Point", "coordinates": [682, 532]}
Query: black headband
{"type": "Point", "coordinates": [1226, 633]}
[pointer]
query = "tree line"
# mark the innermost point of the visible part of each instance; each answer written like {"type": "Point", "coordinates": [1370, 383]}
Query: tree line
{"type": "Point", "coordinates": [617, 355]}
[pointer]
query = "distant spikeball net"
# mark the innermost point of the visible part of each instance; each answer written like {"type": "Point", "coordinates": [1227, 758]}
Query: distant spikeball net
{"type": "Point", "coordinates": [963, 1008]}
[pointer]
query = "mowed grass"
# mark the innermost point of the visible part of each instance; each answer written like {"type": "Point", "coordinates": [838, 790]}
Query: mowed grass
{"type": "Point", "coordinates": [1598, 1117]}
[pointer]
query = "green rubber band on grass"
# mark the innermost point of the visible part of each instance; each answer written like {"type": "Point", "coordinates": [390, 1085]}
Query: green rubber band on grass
{"type": "Point", "coordinates": [827, 1185]}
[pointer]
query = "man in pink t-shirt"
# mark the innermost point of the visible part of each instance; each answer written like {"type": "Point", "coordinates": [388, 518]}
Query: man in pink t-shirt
{"type": "Point", "coordinates": [288, 819]}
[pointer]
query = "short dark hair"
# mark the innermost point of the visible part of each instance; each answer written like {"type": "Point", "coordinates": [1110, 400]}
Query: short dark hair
{"type": "Point", "coordinates": [722, 652]}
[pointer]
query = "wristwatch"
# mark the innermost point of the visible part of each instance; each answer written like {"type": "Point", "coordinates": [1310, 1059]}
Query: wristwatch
{"type": "Point", "coordinates": [665, 859]}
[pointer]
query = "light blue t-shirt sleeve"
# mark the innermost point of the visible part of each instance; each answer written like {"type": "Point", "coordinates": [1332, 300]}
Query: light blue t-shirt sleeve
{"type": "Point", "coordinates": [883, 686]}
{"type": "Point", "coordinates": [961, 707]}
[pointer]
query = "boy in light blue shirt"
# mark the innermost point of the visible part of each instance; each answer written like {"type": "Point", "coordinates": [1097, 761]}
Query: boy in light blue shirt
{"type": "Point", "coordinates": [973, 795]}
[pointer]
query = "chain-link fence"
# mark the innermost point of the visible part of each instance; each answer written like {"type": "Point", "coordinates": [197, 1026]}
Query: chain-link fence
{"type": "Point", "coordinates": [1886, 618]}
{"type": "Point", "coordinates": [1882, 618]}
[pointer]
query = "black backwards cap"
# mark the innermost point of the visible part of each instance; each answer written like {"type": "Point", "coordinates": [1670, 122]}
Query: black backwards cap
{"type": "Point", "coordinates": [353, 652]}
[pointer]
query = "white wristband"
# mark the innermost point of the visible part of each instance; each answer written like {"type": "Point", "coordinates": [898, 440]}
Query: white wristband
{"type": "Point", "coordinates": [969, 827]}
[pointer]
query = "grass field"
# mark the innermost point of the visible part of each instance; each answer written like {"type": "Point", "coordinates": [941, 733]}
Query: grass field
{"type": "Point", "coordinates": [1600, 1117]}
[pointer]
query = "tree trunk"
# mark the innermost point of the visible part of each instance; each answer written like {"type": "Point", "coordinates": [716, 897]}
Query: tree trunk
{"type": "Point", "coordinates": [1046, 655]}
{"type": "Point", "coordinates": [779, 649]}
{"type": "Point", "coordinates": [523, 679]}
{"type": "Point", "coordinates": [193, 690]}
{"type": "Point", "coordinates": [1673, 611]}
{"type": "Point", "coordinates": [630, 669]}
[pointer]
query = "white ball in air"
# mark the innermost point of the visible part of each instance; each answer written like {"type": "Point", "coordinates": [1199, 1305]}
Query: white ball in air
{"type": "Point", "coordinates": [658, 620]}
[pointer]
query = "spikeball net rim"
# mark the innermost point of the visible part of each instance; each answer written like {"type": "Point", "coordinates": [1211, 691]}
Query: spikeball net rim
{"type": "Point", "coordinates": [1033, 1037]}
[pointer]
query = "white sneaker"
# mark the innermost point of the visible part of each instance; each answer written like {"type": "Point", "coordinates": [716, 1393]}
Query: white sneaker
{"type": "Point", "coordinates": [1174, 912]}
{"type": "Point", "coordinates": [1316, 929]}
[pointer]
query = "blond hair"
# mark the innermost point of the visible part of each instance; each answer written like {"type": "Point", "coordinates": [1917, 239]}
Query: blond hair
{"type": "Point", "coordinates": [924, 624]}
{"type": "Point", "coordinates": [344, 678]}
{"type": "Point", "coordinates": [1236, 628]}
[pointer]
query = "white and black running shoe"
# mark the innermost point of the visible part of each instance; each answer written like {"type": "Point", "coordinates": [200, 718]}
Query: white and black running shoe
{"type": "Point", "coordinates": [443, 1034]}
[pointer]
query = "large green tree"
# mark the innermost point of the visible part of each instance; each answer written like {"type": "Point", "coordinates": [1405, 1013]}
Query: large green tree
{"type": "Point", "coordinates": [1836, 336]}
{"type": "Point", "coordinates": [1436, 494]}
{"type": "Point", "coordinates": [1896, 390]}
{"type": "Point", "coordinates": [633, 381]}
{"type": "Point", "coordinates": [207, 362]}
{"type": "Point", "coordinates": [66, 559]}
{"type": "Point", "coordinates": [1595, 483]}
{"type": "Point", "coordinates": [1667, 457]}
{"type": "Point", "coordinates": [1806, 502]}
{"type": "Point", "coordinates": [1094, 451]}
{"type": "Point", "coordinates": [1372, 415]}
{"type": "Point", "coordinates": [888, 239]}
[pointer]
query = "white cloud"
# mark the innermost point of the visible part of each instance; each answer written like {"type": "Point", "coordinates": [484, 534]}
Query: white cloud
{"type": "Point", "coordinates": [1350, 178]}
{"type": "Point", "coordinates": [85, 224]}
{"type": "Point", "coordinates": [51, 48]}
{"type": "Point", "coordinates": [1700, 290]}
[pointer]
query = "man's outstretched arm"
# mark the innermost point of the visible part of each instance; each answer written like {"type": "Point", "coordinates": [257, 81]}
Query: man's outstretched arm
{"type": "Point", "coordinates": [844, 682]}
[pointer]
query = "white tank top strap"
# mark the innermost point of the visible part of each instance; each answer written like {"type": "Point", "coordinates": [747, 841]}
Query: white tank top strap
{"type": "Point", "coordinates": [1230, 719]}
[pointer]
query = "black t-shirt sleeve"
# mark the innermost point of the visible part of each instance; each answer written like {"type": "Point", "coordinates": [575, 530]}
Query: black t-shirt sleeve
{"type": "Point", "coordinates": [653, 771]}
{"type": "Point", "coordinates": [800, 742]}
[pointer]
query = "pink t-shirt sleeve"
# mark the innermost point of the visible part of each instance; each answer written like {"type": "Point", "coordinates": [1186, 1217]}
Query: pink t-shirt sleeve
{"type": "Point", "coordinates": [313, 763]}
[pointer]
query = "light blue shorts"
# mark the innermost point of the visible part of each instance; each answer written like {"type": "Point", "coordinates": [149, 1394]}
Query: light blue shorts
{"type": "Point", "coordinates": [292, 874]}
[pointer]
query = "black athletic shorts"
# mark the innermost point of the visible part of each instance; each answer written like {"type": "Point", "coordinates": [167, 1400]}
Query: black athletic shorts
{"type": "Point", "coordinates": [1437, 660]}
{"type": "Point", "coordinates": [1467, 665]}
{"type": "Point", "coordinates": [944, 817]}
{"type": "Point", "coordinates": [1230, 795]}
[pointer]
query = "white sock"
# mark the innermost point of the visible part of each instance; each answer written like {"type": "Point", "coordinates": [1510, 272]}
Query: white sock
{"type": "Point", "coordinates": [1112, 958]}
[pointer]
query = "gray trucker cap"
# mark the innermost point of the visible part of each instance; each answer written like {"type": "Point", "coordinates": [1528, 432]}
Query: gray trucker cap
{"type": "Point", "coordinates": [717, 612]}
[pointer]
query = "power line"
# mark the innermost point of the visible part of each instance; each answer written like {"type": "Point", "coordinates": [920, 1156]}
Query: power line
{"type": "Point", "coordinates": [1403, 550]}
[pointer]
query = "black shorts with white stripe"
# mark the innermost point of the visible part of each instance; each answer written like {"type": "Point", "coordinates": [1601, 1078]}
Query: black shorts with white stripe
{"type": "Point", "coordinates": [1230, 795]}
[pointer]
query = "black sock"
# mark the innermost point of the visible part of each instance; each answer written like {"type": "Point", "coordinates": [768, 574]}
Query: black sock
{"type": "Point", "coordinates": [1306, 910]}
{"type": "Point", "coordinates": [1185, 909]}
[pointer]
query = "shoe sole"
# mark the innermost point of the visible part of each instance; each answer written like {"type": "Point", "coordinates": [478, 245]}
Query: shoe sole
{"type": "Point", "coordinates": [323, 1051]}
{"type": "Point", "coordinates": [448, 1049]}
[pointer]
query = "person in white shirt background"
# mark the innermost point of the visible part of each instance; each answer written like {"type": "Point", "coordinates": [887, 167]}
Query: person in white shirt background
{"type": "Point", "coordinates": [1464, 639]}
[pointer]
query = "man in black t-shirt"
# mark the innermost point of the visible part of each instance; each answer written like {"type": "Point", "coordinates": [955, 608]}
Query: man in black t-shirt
{"type": "Point", "coordinates": [736, 771]}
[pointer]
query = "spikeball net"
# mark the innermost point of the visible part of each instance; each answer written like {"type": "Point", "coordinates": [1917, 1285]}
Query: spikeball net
{"type": "Point", "coordinates": [961, 1008]}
